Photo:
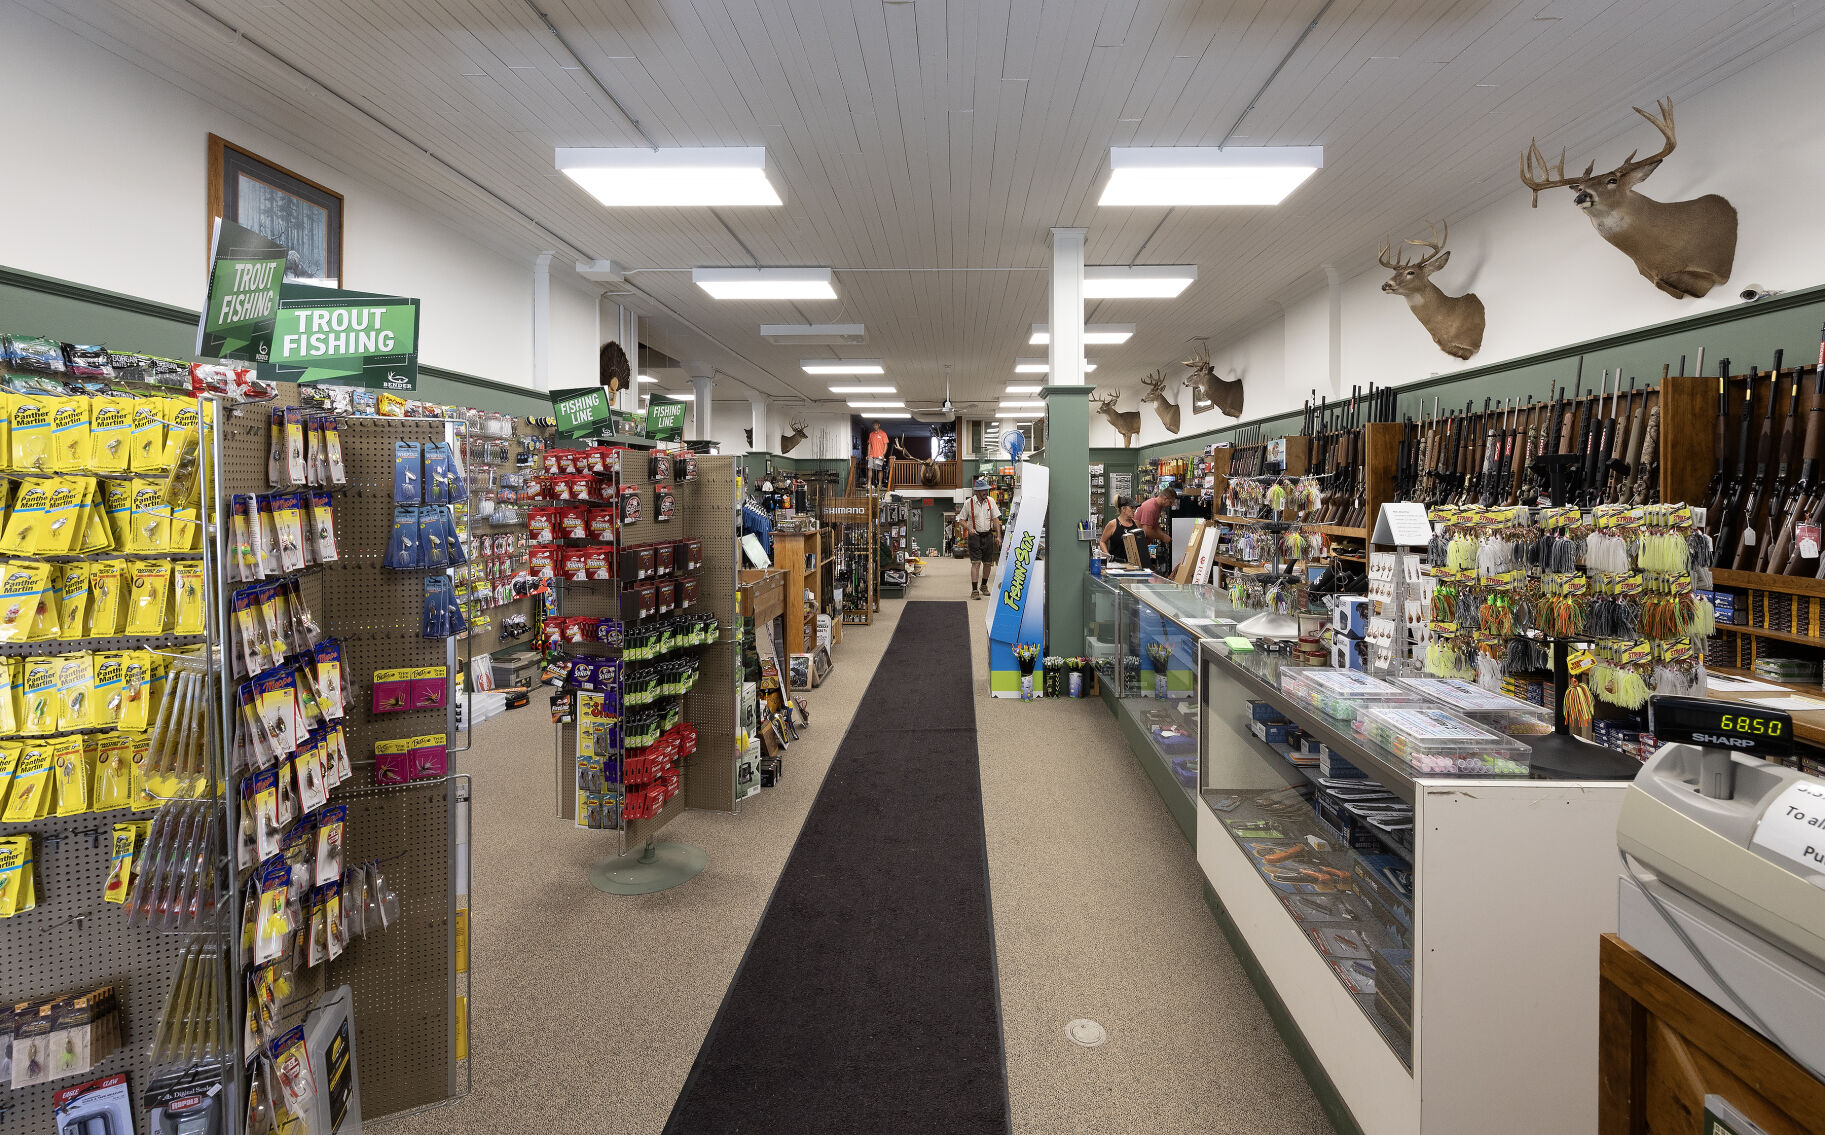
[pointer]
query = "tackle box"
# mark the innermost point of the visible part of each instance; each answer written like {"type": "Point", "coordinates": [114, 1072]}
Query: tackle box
{"type": "Point", "coordinates": [1487, 708]}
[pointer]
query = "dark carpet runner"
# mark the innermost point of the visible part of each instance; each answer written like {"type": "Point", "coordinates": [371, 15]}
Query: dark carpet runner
{"type": "Point", "coordinates": [867, 1001]}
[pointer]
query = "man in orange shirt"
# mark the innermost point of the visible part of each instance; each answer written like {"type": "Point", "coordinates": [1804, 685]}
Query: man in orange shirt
{"type": "Point", "coordinates": [877, 457]}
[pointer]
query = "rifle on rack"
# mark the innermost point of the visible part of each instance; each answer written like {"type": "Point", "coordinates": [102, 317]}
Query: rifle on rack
{"type": "Point", "coordinates": [1492, 453]}
{"type": "Point", "coordinates": [1730, 531]}
{"type": "Point", "coordinates": [1514, 454]}
{"type": "Point", "coordinates": [1742, 557]}
{"type": "Point", "coordinates": [1783, 553]}
{"type": "Point", "coordinates": [1590, 442]}
{"type": "Point", "coordinates": [1628, 432]}
{"type": "Point", "coordinates": [1768, 525]}
{"type": "Point", "coordinates": [1715, 492]}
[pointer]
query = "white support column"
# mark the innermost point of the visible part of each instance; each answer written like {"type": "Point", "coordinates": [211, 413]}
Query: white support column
{"type": "Point", "coordinates": [703, 382]}
{"type": "Point", "coordinates": [1334, 328]}
{"type": "Point", "coordinates": [762, 440]}
{"type": "Point", "coordinates": [631, 344]}
{"type": "Point", "coordinates": [541, 321]}
{"type": "Point", "coordinates": [1066, 354]}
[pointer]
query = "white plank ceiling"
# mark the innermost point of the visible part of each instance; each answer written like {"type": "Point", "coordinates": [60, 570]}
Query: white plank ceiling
{"type": "Point", "coordinates": [915, 135]}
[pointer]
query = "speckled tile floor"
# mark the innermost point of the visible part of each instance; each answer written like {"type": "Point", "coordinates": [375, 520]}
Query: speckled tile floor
{"type": "Point", "coordinates": [588, 1008]}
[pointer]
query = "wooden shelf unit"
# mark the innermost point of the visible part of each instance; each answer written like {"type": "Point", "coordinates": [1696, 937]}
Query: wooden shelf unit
{"type": "Point", "coordinates": [799, 555]}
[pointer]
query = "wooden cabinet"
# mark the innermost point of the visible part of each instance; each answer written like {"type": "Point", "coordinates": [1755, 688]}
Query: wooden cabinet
{"type": "Point", "coordinates": [1663, 1048]}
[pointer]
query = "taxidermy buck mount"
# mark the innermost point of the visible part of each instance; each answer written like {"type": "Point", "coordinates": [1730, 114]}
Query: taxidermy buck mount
{"type": "Point", "coordinates": [1126, 422]}
{"type": "Point", "coordinates": [1156, 394]}
{"type": "Point", "coordinates": [1223, 393]}
{"type": "Point", "coordinates": [612, 371]}
{"type": "Point", "coordinates": [1455, 322]}
{"type": "Point", "coordinates": [928, 470]}
{"type": "Point", "coordinates": [1685, 248]}
{"type": "Point", "coordinates": [789, 442]}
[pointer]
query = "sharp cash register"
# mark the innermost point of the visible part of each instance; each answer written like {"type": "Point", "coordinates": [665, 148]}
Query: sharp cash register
{"type": "Point", "coordinates": [1723, 880]}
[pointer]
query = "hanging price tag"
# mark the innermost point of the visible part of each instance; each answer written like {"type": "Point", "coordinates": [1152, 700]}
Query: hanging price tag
{"type": "Point", "coordinates": [1807, 535]}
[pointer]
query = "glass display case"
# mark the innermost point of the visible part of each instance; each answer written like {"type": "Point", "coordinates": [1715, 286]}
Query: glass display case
{"type": "Point", "coordinates": [1420, 885]}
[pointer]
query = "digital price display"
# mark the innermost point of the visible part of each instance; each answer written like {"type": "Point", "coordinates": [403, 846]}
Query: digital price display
{"type": "Point", "coordinates": [1742, 727]}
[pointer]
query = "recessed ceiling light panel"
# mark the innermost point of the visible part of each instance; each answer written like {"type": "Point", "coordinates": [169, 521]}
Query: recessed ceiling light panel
{"type": "Point", "coordinates": [637, 176]}
{"type": "Point", "coordinates": [842, 366]}
{"type": "Point", "coordinates": [814, 334]}
{"type": "Point", "coordinates": [766, 283]}
{"type": "Point", "coordinates": [1137, 281]}
{"type": "Point", "coordinates": [1042, 366]}
{"type": "Point", "coordinates": [877, 405]}
{"type": "Point", "coordinates": [864, 390]}
{"type": "Point", "coordinates": [1206, 175]}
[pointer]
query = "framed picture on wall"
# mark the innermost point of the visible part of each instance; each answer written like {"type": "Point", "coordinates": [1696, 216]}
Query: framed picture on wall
{"type": "Point", "coordinates": [281, 206]}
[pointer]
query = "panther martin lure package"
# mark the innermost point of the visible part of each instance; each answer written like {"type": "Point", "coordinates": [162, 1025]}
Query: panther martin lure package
{"type": "Point", "coordinates": [70, 434]}
{"type": "Point", "coordinates": [109, 436]}
{"type": "Point", "coordinates": [146, 437]}
{"type": "Point", "coordinates": [148, 609]}
{"type": "Point", "coordinates": [271, 563]}
{"type": "Point", "coordinates": [288, 525]}
{"type": "Point", "coordinates": [332, 450]}
{"type": "Point", "coordinates": [188, 582]}
{"type": "Point", "coordinates": [322, 521]}
{"type": "Point", "coordinates": [294, 447]}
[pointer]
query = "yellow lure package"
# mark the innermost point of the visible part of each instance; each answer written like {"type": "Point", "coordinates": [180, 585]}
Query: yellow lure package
{"type": "Point", "coordinates": [9, 698]}
{"type": "Point", "coordinates": [70, 763]}
{"type": "Point", "coordinates": [120, 863]}
{"type": "Point", "coordinates": [110, 431]}
{"type": "Point", "coordinates": [40, 697]}
{"type": "Point", "coordinates": [146, 444]}
{"type": "Point", "coordinates": [30, 798]}
{"type": "Point", "coordinates": [136, 690]}
{"type": "Point", "coordinates": [97, 533]}
{"type": "Point", "coordinates": [75, 691]}
{"type": "Point", "coordinates": [110, 688]}
{"type": "Point", "coordinates": [108, 584]}
{"type": "Point", "coordinates": [6, 429]}
{"type": "Point", "coordinates": [188, 583]}
{"type": "Point", "coordinates": [182, 434]}
{"type": "Point", "coordinates": [151, 522]}
{"type": "Point", "coordinates": [70, 434]}
{"type": "Point", "coordinates": [24, 587]}
{"type": "Point", "coordinates": [31, 433]}
{"type": "Point", "coordinates": [23, 523]}
{"type": "Point", "coordinates": [113, 772]}
{"type": "Point", "coordinates": [73, 597]}
{"type": "Point", "coordinates": [18, 887]}
{"type": "Point", "coordinates": [149, 602]}
{"type": "Point", "coordinates": [117, 502]}
{"type": "Point", "coordinates": [9, 764]}
{"type": "Point", "coordinates": [63, 516]}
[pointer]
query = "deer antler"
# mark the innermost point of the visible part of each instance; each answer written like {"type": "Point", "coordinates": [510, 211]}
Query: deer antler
{"type": "Point", "coordinates": [1536, 174]}
{"type": "Point", "coordinates": [799, 424]}
{"type": "Point", "coordinates": [1199, 362]}
{"type": "Point", "coordinates": [1664, 124]}
{"type": "Point", "coordinates": [1436, 244]}
{"type": "Point", "coordinates": [1103, 403]}
{"type": "Point", "coordinates": [1154, 382]}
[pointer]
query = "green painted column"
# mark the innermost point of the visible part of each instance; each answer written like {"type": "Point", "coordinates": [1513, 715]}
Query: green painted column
{"type": "Point", "coordinates": [1067, 557]}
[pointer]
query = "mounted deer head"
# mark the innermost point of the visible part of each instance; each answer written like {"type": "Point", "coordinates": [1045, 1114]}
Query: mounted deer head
{"type": "Point", "coordinates": [1455, 322]}
{"type": "Point", "coordinates": [789, 442]}
{"type": "Point", "coordinates": [1126, 422]}
{"type": "Point", "coordinates": [749, 434]}
{"type": "Point", "coordinates": [1157, 394]}
{"type": "Point", "coordinates": [1223, 393]}
{"type": "Point", "coordinates": [1685, 248]}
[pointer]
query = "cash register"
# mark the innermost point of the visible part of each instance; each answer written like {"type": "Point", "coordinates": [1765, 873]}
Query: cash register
{"type": "Point", "coordinates": [1723, 880]}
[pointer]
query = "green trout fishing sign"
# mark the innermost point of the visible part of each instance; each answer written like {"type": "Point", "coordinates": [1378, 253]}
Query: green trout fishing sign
{"type": "Point", "coordinates": [346, 338]}
{"type": "Point", "coordinates": [245, 273]}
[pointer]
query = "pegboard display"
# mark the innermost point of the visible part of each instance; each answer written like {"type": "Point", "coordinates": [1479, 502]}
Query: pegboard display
{"type": "Point", "coordinates": [74, 941]}
{"type": "Point", "coordinates": [706, 509]}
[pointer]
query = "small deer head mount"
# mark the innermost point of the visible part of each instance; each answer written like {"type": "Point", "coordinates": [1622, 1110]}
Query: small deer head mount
{"type": "Point", "coordinates": [1165, 403]}
{"type": "Point", "coordinates": [1126, 422]}
{"type": "Point", "coordinates": [1223, 393]}
{"type": "Point", "coordinates": [1685, 248]}
{"type": "Point", "coordinates": [1455, 322]}
{"type": "Point", "coordinates": [789, 442]}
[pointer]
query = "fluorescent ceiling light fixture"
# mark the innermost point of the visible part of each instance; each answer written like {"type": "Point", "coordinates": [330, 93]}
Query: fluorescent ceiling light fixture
{"type": "Point", "coordinates": [1024, 415]}
{"type": "Point", "coordinates": [813, 334]}
{"type": "Point", "coordinates": [673, 397]}
{"type": "Point", "coordinates": [887, 414]}
{"type": "Point", "coordinates": [1205, 175]}
{"type": "Point", "coordinates": [1094, 333]}
{"type": "Point", "coordinates": [632, 176]}
{"type": "Point", "coordinates": [765, 283]}
{"type": "Point", "coordinates": [863, 390]}
{"type": "Point", "coordinates": [1022, 390]}
{"type": "Point", "coordinates": [1021, 406]}
{"type": "Point", "coordinates": [645, 378]}
{"type": "Point", "coordinates": [842, 366]}
{"type": "Point", "coordinates": [878, 405]}
{"type": "Point", "coordinates": [1042, 366]}
{"type": "Point", "coordinates": [1137, 281]}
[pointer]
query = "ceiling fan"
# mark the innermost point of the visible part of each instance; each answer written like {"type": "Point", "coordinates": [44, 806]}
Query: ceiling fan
{"type": "Point", "coordinates": [948, 409]}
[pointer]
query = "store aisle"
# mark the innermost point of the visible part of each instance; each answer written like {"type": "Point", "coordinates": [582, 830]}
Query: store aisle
{"type": "Point", "coordinates": [1099, 913]}
{"type": "Point", "coordinates": [867, 999]}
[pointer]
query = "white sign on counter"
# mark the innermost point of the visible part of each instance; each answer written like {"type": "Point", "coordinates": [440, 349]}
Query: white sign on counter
{"type": "Point", "coordinates": [1403, 524]}
{"type": "Point", "coordinates": [1793, 827]}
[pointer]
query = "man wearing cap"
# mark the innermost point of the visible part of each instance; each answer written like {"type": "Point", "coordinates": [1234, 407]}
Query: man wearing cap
{"type": "Point", "coordinates": [1153, 515]}
{"type": "Point", "coordinates": [980, 517]}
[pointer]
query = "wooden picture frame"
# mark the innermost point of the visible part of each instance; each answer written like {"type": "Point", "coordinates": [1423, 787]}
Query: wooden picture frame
{"type": "Point", "coordinates": [280, 205]}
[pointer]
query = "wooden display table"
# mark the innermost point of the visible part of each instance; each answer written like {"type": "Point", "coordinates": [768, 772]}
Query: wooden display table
{"type": "Point", "coordinates": [1662, 1048]}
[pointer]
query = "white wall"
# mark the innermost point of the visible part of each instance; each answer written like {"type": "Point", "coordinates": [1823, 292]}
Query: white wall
{"type": "Point", "coordinates": [116, 195]}
{"type": "Point", "coordinates": [1544, 275]}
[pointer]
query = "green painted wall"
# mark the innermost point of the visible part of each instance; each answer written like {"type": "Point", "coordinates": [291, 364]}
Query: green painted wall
{"type": "Point", "coordinates": [1747, 335]}
{"type": "Point", "coordinates": [42, 305]}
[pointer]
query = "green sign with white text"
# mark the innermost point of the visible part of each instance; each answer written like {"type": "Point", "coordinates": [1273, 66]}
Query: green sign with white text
{"type": "Point", "coordinates": [665, 418]}
{"type": "Point", "coordinates": [245, 271]}
{"type": "Point", "coordinates": [346, 338]}
{"type": "Point", "coordinates": [580, 411]}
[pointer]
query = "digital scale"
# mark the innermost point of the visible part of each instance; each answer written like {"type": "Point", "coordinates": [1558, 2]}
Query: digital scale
{"type": "Point", "coordinates": [1724, 868]}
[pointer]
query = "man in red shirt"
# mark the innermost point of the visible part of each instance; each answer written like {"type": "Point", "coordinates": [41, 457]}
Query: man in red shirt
{"type": "Point", "coordinates": [877, 457]}
{"type": "Point", "coordinates": [1153, 516]}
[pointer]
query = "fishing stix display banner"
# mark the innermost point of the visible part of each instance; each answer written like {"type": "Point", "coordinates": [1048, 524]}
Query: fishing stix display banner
{"type": "Point", "coordinates": [245, 274]}
{"type": "Point", "coordinates": [348, 338]}
{"type": "Point", "coordinates": [1018, 612]}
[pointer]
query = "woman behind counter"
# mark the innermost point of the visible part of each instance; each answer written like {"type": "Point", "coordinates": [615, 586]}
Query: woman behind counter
{"type": "Point", "coordinates": [1113, 545]}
